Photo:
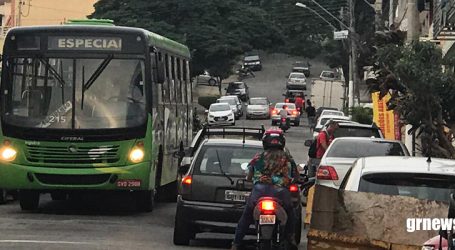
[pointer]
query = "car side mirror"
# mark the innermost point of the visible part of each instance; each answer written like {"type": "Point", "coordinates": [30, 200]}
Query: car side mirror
{"type": "Point", "coordinates": [206, 111]}
{"type": "Point", "coordinates": [308, 143]}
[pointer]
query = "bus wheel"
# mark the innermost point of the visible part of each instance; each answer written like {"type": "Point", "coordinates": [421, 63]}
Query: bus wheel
{"type": "Point", "coordinates": [145, 200]}
{"type": "Point", "coordinates": [29, 199]}
{"type": "Point", "coordinates": [3, 196]}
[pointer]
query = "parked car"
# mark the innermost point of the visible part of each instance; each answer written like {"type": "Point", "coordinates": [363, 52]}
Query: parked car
{"type": "Point", "coordinates": [253, 62]}
{"type": "Point", "coordinates": [296, 81]}
{"type": "Point", "coordinates": [238, 101]}
{"type": "Point", "coordinates": [342, 152]}
{"type": "Point", "coordinates": [332, 112]}
{"type": "Point", "coordinates": [220, 114]}
{"type": "Point", "coordinates": [233, 104]}
{"type": "Point", "coordinates": [402, 175]}
{"type": "Point", "coordinates": [323, 120]}
{"type": "Point", "coordinates": [258, 107]}
{"type": "Point", "coordinates": [320, 109]}
{"type": "Point", "coordinates": [355, 129]}
{"type": "Point", "coordinates": [206, 78]}
{"type": "Point", "coordinates": [239, 89]}
{"type": "Point", "coordinates": [327, 75]}
{"type": "Point", "coordinates": [294, 116]}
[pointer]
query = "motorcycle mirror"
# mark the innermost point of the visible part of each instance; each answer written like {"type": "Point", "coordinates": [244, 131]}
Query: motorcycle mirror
{"type": "Point", "coordinates": [206, 111]}
{"type": "Point", "coordinates": [244, 166]}
{"type": "Point", "coordinates": [308, 143]}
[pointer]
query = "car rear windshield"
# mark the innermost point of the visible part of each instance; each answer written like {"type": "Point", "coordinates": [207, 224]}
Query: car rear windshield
{"type": "Point", "coordinates": [297, 76]}
{"type": "Point", "coordinates": [231, 158]}
{"type": "Point", "coordinates": [258, 102]}
{"type": "Point", "coordinates": [420, 186]}
{"type": "Point", "coordinates": [230, 101]}
{"type": "Point", "coordinates": [360, 148]}
{"type": "Point", "coordinates": [251, 58]}
{"type": "Point", "coordinates": [328, 74]}
{"type": "Point", "coordinates": [357, 132]}
{"type": "Point", "coordinates": [280, 105]}
{"type": "Point", "coordinates": [325, 120]}
{"type": "Point", "coordinates": [236, 86]}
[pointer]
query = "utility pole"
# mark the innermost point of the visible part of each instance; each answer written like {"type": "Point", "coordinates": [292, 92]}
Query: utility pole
{"type": "Point", "coordinates": [391, 13]}
{"type": "Point", "coordinates": [352, 57]}
{"type": "Point", "coordinates": [19, 14]}
{"type": "Point", "coordinates": [413, 34]}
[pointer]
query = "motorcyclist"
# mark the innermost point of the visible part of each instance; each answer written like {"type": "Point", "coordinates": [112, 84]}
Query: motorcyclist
{"type": "Point", "coordinates": [272, 172]}
{"type": "Point", "coordinates": [284, 114]}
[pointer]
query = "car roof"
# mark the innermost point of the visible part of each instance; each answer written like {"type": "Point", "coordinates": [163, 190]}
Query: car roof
{"type": "Point", "coordinates": [340, 117]}
{"type": "Point", "coordinates": [285, 103]}
{"type": "Point", "coordinates": [355, 124]}
{"type": "Point", "coordinates": [258, 98]}
{"type": "Point", "coordinates": [229, 97]}
{"type": "Point", "coordinates": [365, 139]}
{"type": "Point", "coordinates": [326, 108]}
{"type": "Point", "coordinates": [324, 71]}
{"type": "Point", "coordinates": [407, 164]}
{"type": "Point", "coordinates": [297, 73]}
{"type": "Point", "coordinates": [299, 67]}
{"type": "Point", "coordinates": [219, 104]}
{"type": "Point", "coordinates": [232, 142]}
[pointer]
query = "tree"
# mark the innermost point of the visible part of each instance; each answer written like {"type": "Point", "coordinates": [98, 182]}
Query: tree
{"type": "Point", "coordinates": [422, 93]}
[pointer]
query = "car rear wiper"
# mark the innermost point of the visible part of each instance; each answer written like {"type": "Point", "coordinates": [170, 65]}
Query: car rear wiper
{"type": "Point", "coordinates": [221, 169]}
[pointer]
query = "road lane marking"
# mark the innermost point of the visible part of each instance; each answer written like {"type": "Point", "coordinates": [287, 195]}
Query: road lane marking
{"type": "Point", "coordinates": [47, 242]}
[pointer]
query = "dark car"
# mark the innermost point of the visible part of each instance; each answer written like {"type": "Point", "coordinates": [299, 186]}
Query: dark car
{"type": "Point", "coordinates": [290, 95]}
{"type": "Point", "coordinates": [239, 89]}
{"type": "Point", "coordinates": [253, 62]}
{"type": "Point", "coordinates": [213, 192]}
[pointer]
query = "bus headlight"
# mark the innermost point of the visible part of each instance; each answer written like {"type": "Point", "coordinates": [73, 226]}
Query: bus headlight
{"type": "Point", "coordinates": [8, 153]}
{"type": "Point", "coordinates": [136, 155]}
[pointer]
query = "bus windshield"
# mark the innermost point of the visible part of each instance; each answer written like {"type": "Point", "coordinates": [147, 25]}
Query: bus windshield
{"type": "Point", "coordinates": [75, 93]}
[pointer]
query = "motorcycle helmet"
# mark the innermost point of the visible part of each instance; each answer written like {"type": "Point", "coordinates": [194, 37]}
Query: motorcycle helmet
{"type": "Point", "coordinates": [273, 139]}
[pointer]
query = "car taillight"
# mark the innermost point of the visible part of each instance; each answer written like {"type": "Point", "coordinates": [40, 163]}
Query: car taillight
{"type": "Point", "coordinates": [294, 188]}
{"type": "Point", "coordinates": [327, 173]}
{"type": "Point", "coordinates": [295, 112]}
{"type": "Point", "coordinates": [298, 109]}
{"type": "Point", "coordinates": [274, 111]}
{"type": "Point", "coordinates": [187, 180]}
{"type": "Point", "coordinates": [287, 100]}
{"type": "Point", "coordinates": [267, 206]}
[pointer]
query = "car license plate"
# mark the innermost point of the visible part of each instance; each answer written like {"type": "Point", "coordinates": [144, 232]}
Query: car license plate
{"type": "Point", "coordinates": [128, 183]}
{"type": "Point", "coordinates": [232, 195]}
{"type": "Point", "coordinates": [267, 219]}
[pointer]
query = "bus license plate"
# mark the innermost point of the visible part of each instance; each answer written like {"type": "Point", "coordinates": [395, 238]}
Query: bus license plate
{"type": "Point", "coordinates": [267, 219]}
{"type": "Point", "coordinates": [128, 183]}
{"type": "Point", "coordinates": [232, 195]}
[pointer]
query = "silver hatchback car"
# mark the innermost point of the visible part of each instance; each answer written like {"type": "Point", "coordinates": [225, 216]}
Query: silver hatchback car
{"type": "Point", "coordinates": [343, 152]}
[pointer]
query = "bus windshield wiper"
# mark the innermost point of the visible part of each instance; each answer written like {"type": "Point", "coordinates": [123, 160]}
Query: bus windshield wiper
{"type": "Point", "coordinates": [92, 79]}
{"type": "Point", "coordinates": [221, 169]}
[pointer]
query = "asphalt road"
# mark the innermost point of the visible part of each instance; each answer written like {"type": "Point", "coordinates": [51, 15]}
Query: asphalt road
{"type": "Point", "coordinates": [109, 222]}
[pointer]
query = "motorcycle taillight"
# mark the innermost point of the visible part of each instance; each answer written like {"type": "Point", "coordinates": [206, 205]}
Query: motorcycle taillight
{"type": "Point", "coordinates": [283, 119]}
{"type": "Point", "coordinates": [267, 206]}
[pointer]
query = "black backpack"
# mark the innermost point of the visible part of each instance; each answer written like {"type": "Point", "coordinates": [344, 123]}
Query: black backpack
{"type": "Point", "coordinates": [313, 149]}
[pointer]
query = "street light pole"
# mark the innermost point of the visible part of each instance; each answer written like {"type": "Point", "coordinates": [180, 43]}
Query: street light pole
{"type": "Point", "coordinates": [352, 58]}
{"type": "Point", "coordinates": [315, 12]}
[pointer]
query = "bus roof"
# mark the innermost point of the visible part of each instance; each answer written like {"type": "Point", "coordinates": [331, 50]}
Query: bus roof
{"type": "Point", "coordinates": [153, 39]}
{"type": "Point", "coordinates": [106, 22]}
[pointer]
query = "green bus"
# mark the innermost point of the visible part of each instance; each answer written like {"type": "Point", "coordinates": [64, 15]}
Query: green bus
{"type": "Point", "coordinates": [93, 107]}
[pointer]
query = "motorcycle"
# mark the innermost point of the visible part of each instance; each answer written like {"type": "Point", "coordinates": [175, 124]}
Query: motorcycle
{"type": "Point", "coordinates": [271, 218]}
{"type": "Point", "coordinates": [284, 124]}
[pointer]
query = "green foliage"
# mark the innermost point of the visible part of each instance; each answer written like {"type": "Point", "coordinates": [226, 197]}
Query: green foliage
{"type": "Point", "coordinates": [206, 101]}
{"type": "Point", "coordinates": [362, 115]}
{"type": "Point", "coordinates": [422, 93]}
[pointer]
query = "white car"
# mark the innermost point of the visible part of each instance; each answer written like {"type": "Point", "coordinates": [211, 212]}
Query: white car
{"type": "Point", "coordinates": [332, 112]}
{"type": "Point", "coordinates": [258, 107]}
{"type": "Point", "coordinates": [294, 116]}
{"type": "Point", "coordinates": [296, 81]}
{"type": "Point", "coordinates": [343, 152]}
{"type": "Point", "coordinates": [327, 75]}
{"type": "Point", "coordinates": [238, 101]}
{"type": "Point", "coordinates": [220, 114]}
{"type": "Point", "coordinates": [405, 176]}
{"type": "Point", "coordinates": [233, 104]}
{"type": "Point", "coordinates": [320, 123]}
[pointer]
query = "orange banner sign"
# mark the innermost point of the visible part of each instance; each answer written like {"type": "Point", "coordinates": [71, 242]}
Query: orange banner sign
{"type": "Point", "coordinates": [382, 117]}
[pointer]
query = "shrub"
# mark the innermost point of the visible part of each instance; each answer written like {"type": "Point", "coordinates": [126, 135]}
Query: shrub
{"type": "Point", "coordinates": [362, 115]}
{"type": "Point", "coordinates": [206, 101]}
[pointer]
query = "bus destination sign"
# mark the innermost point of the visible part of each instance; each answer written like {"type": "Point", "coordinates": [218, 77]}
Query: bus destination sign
{"type": "Point", "coordinates": [85, 43]}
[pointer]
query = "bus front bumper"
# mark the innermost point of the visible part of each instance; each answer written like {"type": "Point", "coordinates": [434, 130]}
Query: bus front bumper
{"type": "Point", "coordinates": [131, 177]}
